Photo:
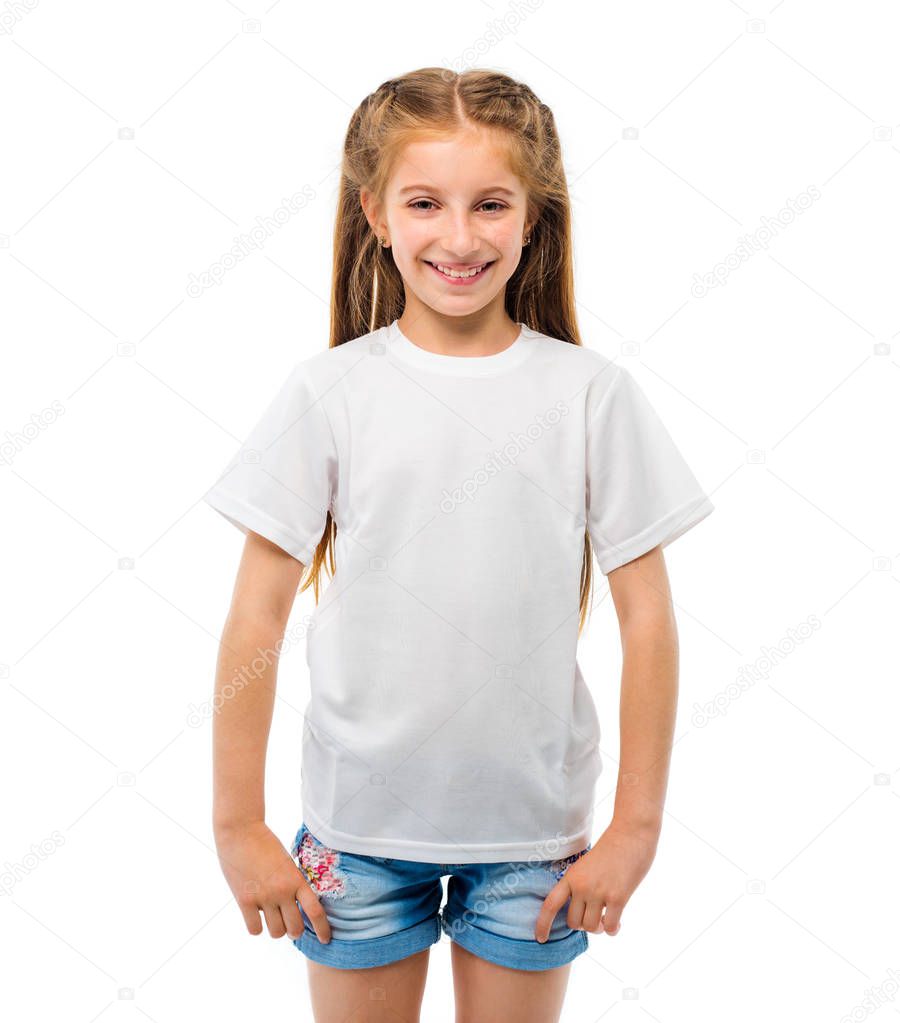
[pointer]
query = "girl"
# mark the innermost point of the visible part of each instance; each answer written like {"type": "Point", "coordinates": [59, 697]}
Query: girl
{"type": "Point", "coordinates": [459, 458]}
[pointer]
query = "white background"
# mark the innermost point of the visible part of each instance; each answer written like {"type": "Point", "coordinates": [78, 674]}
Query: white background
{"type": "Point", "coordinates": [138, 140]}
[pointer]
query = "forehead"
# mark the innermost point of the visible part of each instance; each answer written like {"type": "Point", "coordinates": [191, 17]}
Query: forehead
{"type": "Point", "coordinates": [460, 164]}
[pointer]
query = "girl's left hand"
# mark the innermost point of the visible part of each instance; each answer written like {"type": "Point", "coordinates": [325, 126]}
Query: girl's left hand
{"type": "Point", "coordinates": [606, 875]}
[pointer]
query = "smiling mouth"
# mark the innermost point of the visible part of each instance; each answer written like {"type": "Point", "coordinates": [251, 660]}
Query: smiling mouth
{"type": "Point", "coordinates": [469, 274]}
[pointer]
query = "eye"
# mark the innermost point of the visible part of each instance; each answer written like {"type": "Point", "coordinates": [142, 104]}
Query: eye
{"type": "Point", "coordinates": [417, 205]}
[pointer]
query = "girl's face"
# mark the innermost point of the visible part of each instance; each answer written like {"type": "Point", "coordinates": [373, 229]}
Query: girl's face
{"type": "Point", "coordinates": [454, 204]}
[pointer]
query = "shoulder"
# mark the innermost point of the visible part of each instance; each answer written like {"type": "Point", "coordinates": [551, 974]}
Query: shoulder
{"type": "Point", "coordinates": [321, 371]}
{"type": "Point", "coordinates": [586, 370]}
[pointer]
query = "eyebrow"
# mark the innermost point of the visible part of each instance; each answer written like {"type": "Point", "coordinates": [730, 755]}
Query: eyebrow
{"type": "Point", "coordinates": [431, 188]}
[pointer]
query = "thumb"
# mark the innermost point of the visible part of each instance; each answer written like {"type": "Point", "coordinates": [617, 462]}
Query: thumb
{"type": "Point", "coordinates": [558, 897]}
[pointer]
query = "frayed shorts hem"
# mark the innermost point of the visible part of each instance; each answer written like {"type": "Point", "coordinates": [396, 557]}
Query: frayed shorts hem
{"type": "Point", "coordinates": [368, 952]}
{"type": "Point", "coordinates": [513, 952]}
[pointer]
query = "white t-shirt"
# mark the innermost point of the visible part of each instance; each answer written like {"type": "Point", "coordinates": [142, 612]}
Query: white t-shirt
{"type": "Point", "coordinates": [449, 721]}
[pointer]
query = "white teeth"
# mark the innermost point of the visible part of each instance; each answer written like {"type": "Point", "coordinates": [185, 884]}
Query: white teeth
{"type": "Point", "coordinates": [459, 273]}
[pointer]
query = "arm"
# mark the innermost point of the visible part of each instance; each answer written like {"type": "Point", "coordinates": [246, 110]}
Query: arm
{"type": "Point", "coordinates": [604, 879]}
{"type": "Point", "coordinates": [649, 695]}
{"type": "Point", "coordinates": [261, 602]}
{"type": "Point", "coordinates": [258, 868]}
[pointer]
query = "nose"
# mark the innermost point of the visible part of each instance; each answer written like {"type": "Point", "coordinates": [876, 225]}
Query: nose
{"type": "Point", "coordinates": [460, 238]}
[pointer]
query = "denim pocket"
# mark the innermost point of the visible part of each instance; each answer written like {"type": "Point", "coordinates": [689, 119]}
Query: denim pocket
{"type": "Point", "coordinates": [321, 866]}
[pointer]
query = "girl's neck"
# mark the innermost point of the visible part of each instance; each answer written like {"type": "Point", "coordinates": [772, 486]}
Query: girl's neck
{"type": "Point", "coordinates": [482, 333]}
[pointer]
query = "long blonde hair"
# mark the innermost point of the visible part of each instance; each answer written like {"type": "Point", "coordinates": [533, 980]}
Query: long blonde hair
{"type": "Point", "coordinates": [367, 289]}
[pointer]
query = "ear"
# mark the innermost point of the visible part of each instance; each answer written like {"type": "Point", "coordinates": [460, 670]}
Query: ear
{"type": "Point", "coordinates": [369, 206]}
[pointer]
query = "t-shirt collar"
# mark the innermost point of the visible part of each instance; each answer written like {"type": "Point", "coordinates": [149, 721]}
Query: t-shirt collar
{"type": "Point", "coordinates": [400, 346]}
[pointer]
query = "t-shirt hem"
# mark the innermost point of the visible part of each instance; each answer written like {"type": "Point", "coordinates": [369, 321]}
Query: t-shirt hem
{"type": "Point", "coordinates": [538, 850]}
{"type": "Point", "coordinates": [661, 533]}
{"type": "Point", "coordinates": [246, 517]}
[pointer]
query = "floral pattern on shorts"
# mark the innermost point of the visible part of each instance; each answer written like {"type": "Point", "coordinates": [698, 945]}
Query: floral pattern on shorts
{"type": "Point", "coordinates": [320, 866]}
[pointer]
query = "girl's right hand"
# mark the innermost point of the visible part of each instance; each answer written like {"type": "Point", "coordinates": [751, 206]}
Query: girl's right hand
{"type": "Point", "coordinates": [262, 876]}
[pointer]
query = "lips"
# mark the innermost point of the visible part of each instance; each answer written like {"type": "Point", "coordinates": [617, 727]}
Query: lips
{"type": "Point", "coordinates": [466, 278]}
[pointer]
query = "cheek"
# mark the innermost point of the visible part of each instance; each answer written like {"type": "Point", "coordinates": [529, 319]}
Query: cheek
{"type": "Point", "coordinates": [412, 237]}
{"type": "Point", "coordinates": [507, 241]}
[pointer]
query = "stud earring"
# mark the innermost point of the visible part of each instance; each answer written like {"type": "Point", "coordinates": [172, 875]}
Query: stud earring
{"type": "Point", "coordinates": [382, 241]}
{"type": "Point", "coordinates": [526, 239]}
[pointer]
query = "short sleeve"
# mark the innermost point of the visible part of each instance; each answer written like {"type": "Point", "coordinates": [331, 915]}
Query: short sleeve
{"type": "Point", "coordinates": [640, 491]}
{"type": "Point", "coordinates": [281, 481]}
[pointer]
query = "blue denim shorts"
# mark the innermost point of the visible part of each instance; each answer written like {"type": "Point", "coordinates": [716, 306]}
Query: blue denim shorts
{"type": "Point", "coordinates": [381, 910]}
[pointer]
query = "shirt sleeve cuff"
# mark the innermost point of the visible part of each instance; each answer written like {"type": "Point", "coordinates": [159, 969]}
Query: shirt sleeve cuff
{"type": "Point", "coordinates": [661, 533]}
{"type": "Point", "coordinates": [247, 518]}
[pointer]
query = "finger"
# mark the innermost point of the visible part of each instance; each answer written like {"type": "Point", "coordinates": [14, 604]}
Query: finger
{"type": "Point", "coordinates": [612, 919]}
{"type": "Point", "coordinates": [591, 921]}
{"type": "Point", "coordinates": [576, 913]}
{"type": "Point", "coordinates": [250, 913]}
{"type": "Point", "coordinates": [293, 918]}
{"type": "Point", "coordinates": [554, 902]}
{"type": "Point", "coordinates": [274, 921]}
{"type": "Point", "coordinates": [313, 909]}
